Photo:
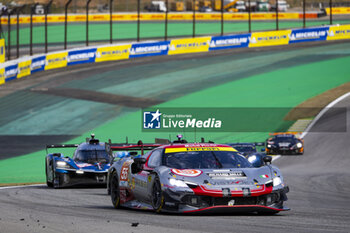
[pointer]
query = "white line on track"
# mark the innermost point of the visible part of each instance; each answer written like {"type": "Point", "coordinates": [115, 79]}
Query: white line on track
{"type": "Point", "coordinates": [324, 110]}
{"type": "Point", "coordinates": [22, 186]}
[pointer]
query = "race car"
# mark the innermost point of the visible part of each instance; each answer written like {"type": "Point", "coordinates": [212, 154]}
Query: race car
{"type": "Point", "coordinates": [284, 143]}
{"type": "Point", "coordinates": [247, 148]}
{"type": "Point", "coordinates": [195, 177]}
{"type": "Point", "coordinates": [89, 165]}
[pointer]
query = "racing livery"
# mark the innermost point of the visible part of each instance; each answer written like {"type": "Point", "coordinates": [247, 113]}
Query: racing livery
{"type": "Point", "coordinates": [195, 177]}
{"type": "Point", "coordinates": [89, 165]}
{"type": "Point", "coordinates": [284, 143]}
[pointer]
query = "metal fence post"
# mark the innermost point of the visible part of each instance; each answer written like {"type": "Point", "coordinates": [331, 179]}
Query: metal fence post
{"type": "Point", "coordinates": [304, 12]}
{"type": "Point", "coordinates": [87, 22]}
{"type": "Point", "coordinates": [9, 36]}
{"type": "Point", "coordinates": [222, 17]}
{"type": "Point", "coordinates": [111, 21]}
{"type": "Point", "coordinates": [65, 22]}
{"type": "Point", "coordinates": [18, 11]}
{"type": "Point", "coordinates": [47, 7]}
{"type": "Point", "coordinates": [249, 17]}
{"type": "Point", "coordinates": [32, 9]}
{"type": "Point", "coordinates": [331, 12]}
{"type": "Point", "coordinates": [166, 20]}
{"type": "Point", "coordinates": [138, 19]}
{"type": "Point", "coordinates": [277, 15]}
{"type": "Point", "coordinates": [194, 18]}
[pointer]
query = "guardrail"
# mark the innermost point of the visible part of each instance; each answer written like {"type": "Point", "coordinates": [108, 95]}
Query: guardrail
{"type": "Point", "coordinates": [25, 66]}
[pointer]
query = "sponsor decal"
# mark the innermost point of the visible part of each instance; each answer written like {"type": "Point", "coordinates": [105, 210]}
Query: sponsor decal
{"type": "Point", "coordinates": [192, 45]}
{"type": "Point", "coordinates": [339, 32]}
{"type": "Point", "coordinates": [24, 68]}
{"type": "Point", "coordinates": [2, 50]}
{"type": "Point", "coordinates": [155, 120]}
{"type": "Point", "coordinates": [192, 149]}
{"type": "Point", "coordinates": [112, 53]}
{"type": "Point", "coordinates": [186, 172]}
{"type": "Point", "coordinates": [2, 76]}
{"type": "Point", "coordinates": [56, 60]}
{"type": "Point", "coordinates": [38, 64]}
{"type": "Point", "coordinates": [259, 39]}
{"type": "Point", "coordinates": [11, 72]}
{"type": "Point", "coordinates": [310, 34]}
{"type": "Point", "coordinates": [227, 42]}
{"type": "Point", "coordinates": [152, 120]}
{"type": "Point", "coordinates": [149, 49]}
{"type": "Point", "coordinates": [81, 56]}
{"type": "Point", "coordinates": [264, 176]}
{"type": "Point", "coordinates": [226, 174]}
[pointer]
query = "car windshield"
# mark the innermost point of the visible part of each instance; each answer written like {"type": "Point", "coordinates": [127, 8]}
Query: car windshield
{"type": "Point", "coordinates": [205, 160]}
{"type": "Point", "coordinates": [91, 156]}
{"type": "Point", "coordinates": [245, 148]}
{"type": "Point", "coordinates": [284, 139]}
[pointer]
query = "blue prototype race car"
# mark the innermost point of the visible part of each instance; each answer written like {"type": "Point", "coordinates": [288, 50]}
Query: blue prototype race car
{"type": "Point", "coordinates": [89, 165]}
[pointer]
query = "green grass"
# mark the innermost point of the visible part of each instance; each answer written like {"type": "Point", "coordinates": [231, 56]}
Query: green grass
{"type": "Point", "coordinates": [124, 31]}
{"type": "Point", "coordinates": [286, 87]}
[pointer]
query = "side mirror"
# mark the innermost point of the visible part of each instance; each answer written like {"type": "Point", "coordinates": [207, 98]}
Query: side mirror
{"type": "Point", "coordinates": [140, 161]}
{"type": "Point", "coordinates": [137, 165]}
{"type": "Point", "coordinates": [267, 159]}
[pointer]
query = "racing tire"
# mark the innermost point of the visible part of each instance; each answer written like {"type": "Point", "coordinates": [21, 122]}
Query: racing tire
{"type": "Point", "coordinates": [48, 183]}
{"type": "Point", "coordinates": [114, 190]}
{"type": "Point", "coordinates": [55, 179]}
{"type": "Point", "coordinates": [157, 195]}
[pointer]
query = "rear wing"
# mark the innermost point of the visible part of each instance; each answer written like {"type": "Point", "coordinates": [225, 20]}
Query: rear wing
{"type": "Point", "coordinates": [133, 147]}
{"type": "Point", "coordinates": [60, 146]}
{"type": "Point", "coordinates": [296, 134]}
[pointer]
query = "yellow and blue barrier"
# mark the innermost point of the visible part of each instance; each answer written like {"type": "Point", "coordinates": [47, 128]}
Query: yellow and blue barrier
{"type": "Point", "coordinates": [27, 65]}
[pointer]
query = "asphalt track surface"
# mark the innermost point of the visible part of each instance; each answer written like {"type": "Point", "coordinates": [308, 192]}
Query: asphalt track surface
{"type": "Point", "coordinates": [319, 183]}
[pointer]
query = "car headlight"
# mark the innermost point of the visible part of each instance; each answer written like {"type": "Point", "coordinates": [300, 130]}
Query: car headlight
{"type": "Point", "coordinates": [299, 145]}
{"type": "Point", "coordinates": [268, 146]}
{"type": "Point", "coordinates": [62, 164]}
{"type": "Point", "coordinates": [277, 181]}
{"type": "Point", "coordinates": [178, 183]}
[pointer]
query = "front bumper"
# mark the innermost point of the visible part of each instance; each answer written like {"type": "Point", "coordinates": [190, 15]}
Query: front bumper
{"type": "Point", "coordinates": [72, 178]}
{"type": "Point", "coordinates": [278, 150]}
{"type": "Point", "coordinates": [189, 203]}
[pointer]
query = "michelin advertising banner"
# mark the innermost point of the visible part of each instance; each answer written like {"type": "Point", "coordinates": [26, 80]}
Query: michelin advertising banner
{"type": "Point", "coordinates": [11, 72]}
{"type": "Point", "coordinates": [309, 34]}
{"type": "Point", "coordinates": [38, 64]}
{"type": "Point", "coordinates": [339, 32]}
{"type": "Point", "coordinates": [229, 42]}
{"type": "Point", "coordinates": [2, 50]}
{"type": "Point", "coordinates": [272, 38]}
{"type": "Point", "coordinates": [113, 53]}
{"type": "Point", "coordinates": [81, 56]}
{"type": "Point", "coordinates": [149, 49]}
{"type": "Point", "coordinates": [192, 45]}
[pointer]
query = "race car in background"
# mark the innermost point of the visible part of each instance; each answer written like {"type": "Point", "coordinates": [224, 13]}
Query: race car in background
{"type": "Point", "coordinates": [284, 143]}
{"type": "Point", "coordinates": [247, 148]}
{"type": "Point", "coordinates": [89, 165]}
{"type": "Point", "coordinates": [195, 177]}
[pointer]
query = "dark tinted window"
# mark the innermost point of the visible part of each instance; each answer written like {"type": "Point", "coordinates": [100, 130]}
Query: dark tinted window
{"type": "Point", "coordinates": [205, 160]}
{"type": "Point", "coordinates": [245, 148]}
{"type": "Point", "coordinates": [91, 156]}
